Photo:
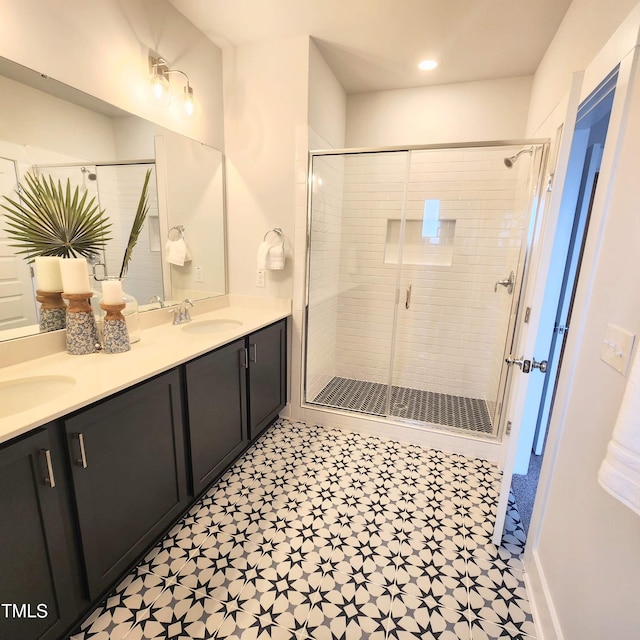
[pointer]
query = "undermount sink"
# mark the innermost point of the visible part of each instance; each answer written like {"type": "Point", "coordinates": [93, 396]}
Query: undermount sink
{"type": "Point", "coordinates": [211, 326]}
{"type": "Point", "coordinates": [25, 393]}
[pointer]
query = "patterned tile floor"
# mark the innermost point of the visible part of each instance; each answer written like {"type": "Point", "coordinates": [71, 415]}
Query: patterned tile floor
{"type": "Point", "coordinates": [457, 412]}
{"type": "Point", "coordinates": [317, 533]}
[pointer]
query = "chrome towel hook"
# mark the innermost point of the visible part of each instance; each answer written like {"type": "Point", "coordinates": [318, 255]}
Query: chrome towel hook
{"type": "Point", "coordinates": [277, 231]}
{"type": "Point", "coordinates": [180, 232]}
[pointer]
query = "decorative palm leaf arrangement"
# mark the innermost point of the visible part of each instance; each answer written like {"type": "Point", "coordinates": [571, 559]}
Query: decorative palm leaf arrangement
{"type": "Point", "coordinates": [51, 220]}
{"type": "Point", "coordinates": [138, 222]}
{"type": "Point", "coordinates": [54, 221]}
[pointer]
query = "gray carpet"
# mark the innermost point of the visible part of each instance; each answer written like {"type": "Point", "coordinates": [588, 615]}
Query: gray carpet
{"type": "Point", "coordinates": [524, 489]}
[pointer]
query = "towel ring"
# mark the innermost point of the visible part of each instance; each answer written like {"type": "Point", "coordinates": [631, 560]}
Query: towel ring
{"type": "Point", "coordinates": [179, 229]}
{"type": "Point", "coordinates": [277, 231]}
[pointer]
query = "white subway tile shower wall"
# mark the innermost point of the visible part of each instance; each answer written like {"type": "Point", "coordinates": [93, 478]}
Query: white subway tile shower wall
{"type": "Point", "coordinates": [447, 341]}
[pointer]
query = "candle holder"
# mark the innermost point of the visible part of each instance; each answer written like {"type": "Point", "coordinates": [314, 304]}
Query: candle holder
{"type": "Point", "coordinates": [53, 310]}
{"type": "Point", "coordinates": [82, 332]}
{"type": "Point", "coordinates": [115, 337]}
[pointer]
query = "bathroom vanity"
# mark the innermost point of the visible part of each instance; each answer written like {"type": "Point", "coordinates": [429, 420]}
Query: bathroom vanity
{"type": "Point", "coordinates": [85, 493]}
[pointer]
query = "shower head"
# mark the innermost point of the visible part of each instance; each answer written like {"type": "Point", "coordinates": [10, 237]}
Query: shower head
{"type": "Point", "coordinates": [89, 174]}
{"type": "Point", "coordinates": [511, 160]}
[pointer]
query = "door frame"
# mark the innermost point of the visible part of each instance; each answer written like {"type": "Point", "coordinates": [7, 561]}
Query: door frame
{"type": "Point", "coordinates": [583, 84]}
{"type": "Point", "coordinates": [532, 298]}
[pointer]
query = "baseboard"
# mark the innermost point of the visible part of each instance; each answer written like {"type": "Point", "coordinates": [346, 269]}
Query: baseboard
{"type": "Point", "coordinates": [544, 612]}
{"type": "Point", "coordinates": [465, 444]}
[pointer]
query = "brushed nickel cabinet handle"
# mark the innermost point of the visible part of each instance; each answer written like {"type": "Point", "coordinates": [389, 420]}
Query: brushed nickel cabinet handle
{"type": "Point", "coordinates": [82, 461]}
{"type": "Point", "coordinates": [49, 479]}
{"type": "Point", "coordinates": [255, 352]}
{"type": "Point", "coordinates": [244, 358]}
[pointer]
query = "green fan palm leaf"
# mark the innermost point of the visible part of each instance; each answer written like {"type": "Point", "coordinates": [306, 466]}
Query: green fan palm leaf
{"type": "Point", "coordinates": [138, 222]}
{"type": "Point", "coordinates": [52, 220]}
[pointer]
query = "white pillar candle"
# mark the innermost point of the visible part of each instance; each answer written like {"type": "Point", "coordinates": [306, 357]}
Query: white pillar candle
{"type": "Point", "coordinates": [48, 273]}
{"type": "Point", "coordinates": [112, 292]}
{"type": "Point", "coordinates": [75, 277]}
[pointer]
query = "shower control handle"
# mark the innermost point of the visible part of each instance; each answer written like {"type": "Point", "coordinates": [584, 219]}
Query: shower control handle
{"type": "Point", "coordinates": [407, 300]}
{"type": "Point", "coordinates": [525, 365]}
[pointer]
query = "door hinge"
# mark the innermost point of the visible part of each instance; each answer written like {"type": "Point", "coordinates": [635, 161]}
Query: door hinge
{"type": "Point", "coordinates": [527, 314]}
{"type": "Point", "coordinates": [561, 329]}
{"type": "Point", "coordinates": [508, 428]}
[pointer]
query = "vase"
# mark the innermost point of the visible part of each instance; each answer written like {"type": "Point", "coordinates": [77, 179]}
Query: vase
{"type": "Point", "coordinates": [53, 310]}
{"type": "Point", "coordinates": [82, 333]}
{"type": "Point", "coordinates": [115, 336]}
{"type": "Point", "coordinates": [130, 312]}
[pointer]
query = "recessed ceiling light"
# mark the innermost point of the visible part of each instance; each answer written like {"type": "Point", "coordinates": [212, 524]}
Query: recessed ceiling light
{"type": "Point", "coordinates": [428, 65]}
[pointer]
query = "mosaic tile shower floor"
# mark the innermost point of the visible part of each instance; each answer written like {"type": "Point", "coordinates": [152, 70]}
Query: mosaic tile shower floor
{"type": "Point", "coordinates": [317, 533]}
{"type": "Point", "coordinates": [457, 412]}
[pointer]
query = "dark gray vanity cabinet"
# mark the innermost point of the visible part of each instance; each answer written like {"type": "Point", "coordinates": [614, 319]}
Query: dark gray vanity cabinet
{"type": "Point", "coordinates": [129, 477]}
{"type": "Point", "coordinates": [35, 579]}
{"type": "Point", "coordinates": [233, 394]}
{"type": "Point", "coordinates": [267, 356]}
{"type": "Point", "coordinates": [216, 408]}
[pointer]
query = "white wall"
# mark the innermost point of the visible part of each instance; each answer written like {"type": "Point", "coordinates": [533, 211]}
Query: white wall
{"type": "Point", "coordinates": [465, 112]}
{"type": "Point", "coordinates": [102, 47]}
{"type": "Point", "coordinates": [585, 558]}
{"type": "Point", "coordinates": [35, 121]}
{"type": "Point", "coordinates": [327, 101]}
{"type": "Point", "coordinates": [586, 27]}
{"type": "Point", "coordinates": [265, 99]}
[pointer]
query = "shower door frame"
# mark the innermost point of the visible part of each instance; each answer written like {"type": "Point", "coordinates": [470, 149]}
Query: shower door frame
{"type": "Point", "coordinates": [516, 309]}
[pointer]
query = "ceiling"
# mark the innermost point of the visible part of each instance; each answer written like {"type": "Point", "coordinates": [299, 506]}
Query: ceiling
{"type": "Point", "coordinates": [374, 45]}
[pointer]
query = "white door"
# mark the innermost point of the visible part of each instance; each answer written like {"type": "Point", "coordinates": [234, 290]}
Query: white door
{"type": "Point", "coordinates": [533, 296]}
{"type": "Point", "coordinates": [17, 300]}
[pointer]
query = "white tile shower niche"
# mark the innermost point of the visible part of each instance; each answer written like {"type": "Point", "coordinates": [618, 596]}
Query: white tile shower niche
{"type": "Point", "coordinates": [433, 249]}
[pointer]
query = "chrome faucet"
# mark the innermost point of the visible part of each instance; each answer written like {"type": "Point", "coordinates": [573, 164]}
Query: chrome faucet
{"type": "Point", "coordinates": [157, 299]}
{"type": "Point", "coordinates": [181, 314]}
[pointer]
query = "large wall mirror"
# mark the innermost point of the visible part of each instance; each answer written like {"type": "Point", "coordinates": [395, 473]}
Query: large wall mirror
{"type": "Point", "coordinates": [52, 129]}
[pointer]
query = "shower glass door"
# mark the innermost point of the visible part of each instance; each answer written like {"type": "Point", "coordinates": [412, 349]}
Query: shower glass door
{"type": "Point", "coordinates": [461, 253]}
{"type": "Point", "coordinates": [351, 289]}
{"type": "Point", "coordinates": [415, 262]}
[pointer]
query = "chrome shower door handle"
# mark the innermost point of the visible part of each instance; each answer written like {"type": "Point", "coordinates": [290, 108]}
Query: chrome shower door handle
{"type": "Point", "coordinates": [407, 300]}
{"type": "Point", "coordinates": [507, 282]}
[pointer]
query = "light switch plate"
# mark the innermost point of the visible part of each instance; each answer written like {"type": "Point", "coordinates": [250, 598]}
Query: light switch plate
{"type": "Point", "coordinates": [617, 346]}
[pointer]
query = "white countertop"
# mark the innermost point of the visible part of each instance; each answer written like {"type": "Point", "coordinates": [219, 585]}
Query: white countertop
{"type": "Point", "coordinates": [161, 348]}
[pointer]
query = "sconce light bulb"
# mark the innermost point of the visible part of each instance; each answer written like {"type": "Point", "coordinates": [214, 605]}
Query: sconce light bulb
{"type": "Point", "coordinates": [189, 105]}
{"type": "Point", "coordinates": [158, 92]}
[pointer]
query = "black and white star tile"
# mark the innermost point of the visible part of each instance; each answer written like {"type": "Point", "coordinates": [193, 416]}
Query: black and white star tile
{"type": "Point", "coordinates": [319, 534]}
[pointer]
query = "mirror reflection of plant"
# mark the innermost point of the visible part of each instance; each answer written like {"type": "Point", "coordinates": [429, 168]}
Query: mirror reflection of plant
{"type": "Point", "coordinates": [138, 222]}
{"type": "Point", "coordinates": [50, 220]}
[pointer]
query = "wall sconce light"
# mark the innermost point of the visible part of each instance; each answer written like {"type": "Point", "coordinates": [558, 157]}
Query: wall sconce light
{"type": "Point", "coordinates": [159, 89]}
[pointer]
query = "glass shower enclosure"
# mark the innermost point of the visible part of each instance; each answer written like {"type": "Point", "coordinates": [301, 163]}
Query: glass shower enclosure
{"type": "Point", "coordinates": [415, 261]}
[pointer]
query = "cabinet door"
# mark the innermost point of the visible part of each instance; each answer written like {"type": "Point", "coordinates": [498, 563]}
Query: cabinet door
{"type": "Point", "coordinates": [216, 393]}
{"type": "Point", "coordinates": [129, 477]}
{"type": "Point", "coordinates": [267, 375]}
{"type": "Point", "coordinates": [34, 579]}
